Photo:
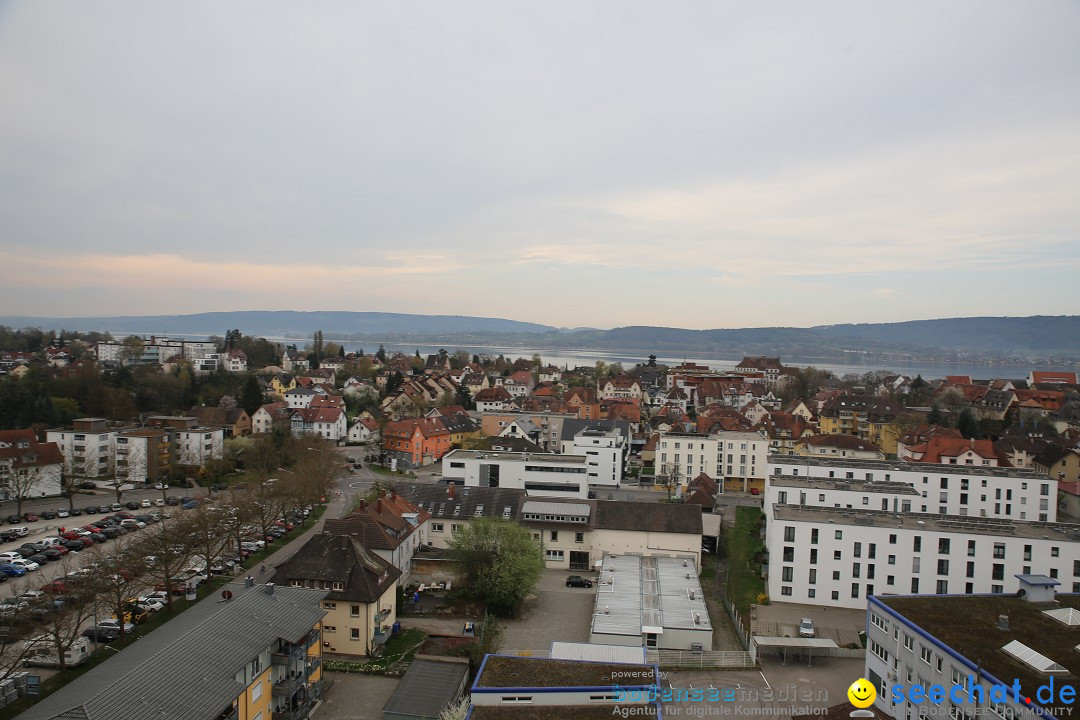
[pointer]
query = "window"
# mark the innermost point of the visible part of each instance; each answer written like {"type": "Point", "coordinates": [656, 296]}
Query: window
{"type": "Point", "coordinates": [1027, 553]}
{"type": "Point", "coordinates": [329, 628]}
{"type": "Point", "coordinates": [892, 559]}
{"type": "Point", "coordinates": [942, 567]}
{"type": "Point", "coordinates": [256, 691]}
{"type": "Point", "coordinates": [971, 548]}
{"type": "Point", "coordinates": [858, 549]}
{"type": "Point", "coordinates": [813, 536]}
{"type": "Point", "coordinates": [943, 546]}
{"type": "Point", "coordinates": [785, 589]}
{"type": "Point", "coordinates": [788, 573]}
{"type": "Point", "coordinates": [789, 553]}
{"type": "Point", "coordinates": [999, 551]}
{"type": "Point", "coordinates": [942, 587]}
{"type": "Point", "coordinates": [836, 575]}
{"type": "Point", "coordinates": [998, 572]}
{"type": "Point", "coordinates": [914, 564]}
{"type": "Point", "coordinates": [436, 527]}
{"type": "Point", "coordinates": [909, 642]}
{"type": "Point", "coordinates": [854, 590]}
{"type": "Point", "coordinates": [892, 539]}
{"type": "Point", "coordinates": [836, 593]}
{"type": "Point", "coordinates": [914, 586]}
{"type": "Point", "coordinates": [813, 575]}
{"type": "Point", "coordinates": [925, 654]}
{"type": "Point", "coordinates": [813, 556]}
{"type": "Point", "coordinates": [917, 544]}
{"type": "Point", "coordinates": [836, 555]}
{"type": "Point", "coordinates": [354, 610]}
{"type": "Point", "coordinates": [554, 536]}
{"type": "Point", "coordinates": [839, 535]}
{"type": "Point", "coordinates": [329, 606]}
{"type": "Point", "coordinates": [354, 633]}
{"type": "Point", "coordinates": [789, 534]}
{"type": "Point", "coordinates": [1053, 552]}
{"type": "Point", "coordinates": [579, 537]}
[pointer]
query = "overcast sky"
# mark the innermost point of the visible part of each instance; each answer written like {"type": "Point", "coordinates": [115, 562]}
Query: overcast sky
{"type": "Point", "coordinates": [690, 164]}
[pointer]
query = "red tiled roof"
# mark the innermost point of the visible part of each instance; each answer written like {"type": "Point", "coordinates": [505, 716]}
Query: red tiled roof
{"type": "Point", "coordinates": [381, 524]}
{"type": "Point", "coordinates": [43, 453]}
{"type": "Point", "coordinates": [1046, 376]}
{"type": "Point", "coordinates": [843, 442]}
{"type": "Point", "coordinates": [939, 447]}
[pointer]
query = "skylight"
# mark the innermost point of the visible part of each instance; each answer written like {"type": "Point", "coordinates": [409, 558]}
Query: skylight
{"type": "Point", "coordinates": [1035, 660]}
{"type": "Point", "coordinates": [1066, 616]}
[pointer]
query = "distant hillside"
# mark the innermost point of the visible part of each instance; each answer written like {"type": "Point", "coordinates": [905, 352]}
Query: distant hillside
{"type": "Point", "coordinates": [283, 323]}
{"type": "Point", "coordinates": [984, 338]}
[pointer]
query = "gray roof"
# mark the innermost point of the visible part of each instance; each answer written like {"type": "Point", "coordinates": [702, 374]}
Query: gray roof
{"type": "Point", "coordinates": [556, 508]}
{"type": "Point", "coordinates": [490, 502]}
{"type": "Point", "coordinates": [185, 670]}
{"type": "Point", "coordinates": [427, 687]}
{"type": "Point", "coordinates": [572, 426]}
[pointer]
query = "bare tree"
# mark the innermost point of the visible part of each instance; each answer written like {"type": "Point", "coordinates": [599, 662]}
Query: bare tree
{"type": "Point", "coordinates": [15, 626]}
{"type": "Point", "coordinates": [208, 532]}
{"type": "Point", "coordinates": [64, 606]}
{"type": "Point", "coordinates": [669, 478]}
{"type": "Point", "coordinates": [22, 479]}
{"type": "Point", "coordinates": [166, 547]}
{"type": "Point", "coordinates": [120, 575]}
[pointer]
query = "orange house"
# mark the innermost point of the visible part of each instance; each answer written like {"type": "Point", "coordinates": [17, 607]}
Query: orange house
{"type": "Point", "coordinates": [416, 442]}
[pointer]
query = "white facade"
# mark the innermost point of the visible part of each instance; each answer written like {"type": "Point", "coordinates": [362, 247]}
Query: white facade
{"type": "Point", "coordinates": [42, 481]}
{"type": "Point", "coordinates": [839, 557]}
{"type": "Point", "coordinates": [261, 421]}
{"type": "Point", "coordinates": [994, 492]}
{"type": "Point", "coordinates": [605, 450]}
{"type": "Point", "coordinates": [197, 446]}
{"type": "Point", "coordinates": [108, 351]}
{"type": "Point", "coordinates": [87, 453]}
{"type": "Point", "coordinates": [299, 397]}
{"type": "Point", "coordinates": [542, 474]}
{"type": "Point", "coordinates": [738, 457]}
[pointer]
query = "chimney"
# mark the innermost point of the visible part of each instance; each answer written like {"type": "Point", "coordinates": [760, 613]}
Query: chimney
{"type": "Point", "coordinates": [249, 582]}
{"type": "Point", "coordinates": [450, 491]}
{"type": "Point", "coordinates": [1003, 622]}
{"type": "Point", "coordinates": [363, 504]}
{"type": "Point", "coordinates": [393, 493]}
{"type": "Point", "coordinates": [269, 588]}
{"type": "Point", "coordinates": [378, 505]}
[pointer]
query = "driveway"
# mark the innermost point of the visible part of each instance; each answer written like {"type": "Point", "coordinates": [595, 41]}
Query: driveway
{"type": "Point", "coordinates": [355, 697]}
{"type": "Point", "coordinates": [554, 612]}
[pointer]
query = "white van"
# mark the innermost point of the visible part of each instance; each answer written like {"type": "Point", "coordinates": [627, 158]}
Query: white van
{"type": "Point", "coordinates": [21, 531]}
{"type": "Point", "coordinates": [50, 541]}
{"type": "Point", "coordinates": [42, 652]}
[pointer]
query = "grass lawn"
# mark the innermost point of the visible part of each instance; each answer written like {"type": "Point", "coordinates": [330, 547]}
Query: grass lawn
{"type": "Point", "coordinates": [744, 575]}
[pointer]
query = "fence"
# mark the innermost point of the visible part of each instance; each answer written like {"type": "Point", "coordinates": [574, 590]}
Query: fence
{"type": "Point", "coordinates": [740, 630]}
{"type": "Point", "coordinates": [691, 659]}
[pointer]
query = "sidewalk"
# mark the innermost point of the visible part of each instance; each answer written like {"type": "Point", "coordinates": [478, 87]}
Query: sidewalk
{"type": "Point", "coordinates": [334, 509]}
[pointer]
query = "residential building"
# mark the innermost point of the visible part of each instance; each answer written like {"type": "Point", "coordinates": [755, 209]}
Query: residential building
{"type": "Point", "coordinates": [412, 443]}
{"type": "Point", "coordinates": [1059, 463]}
{"type": "Point", "coordinates": [974, 491]}
{"type": "Point", "coordinates": [867, 417]}
{"type": "Point", "coordinates": [1046, 377]}
{"type": "Point", "coordinates": [605, 451]}
{"type": "Point", "coordinates": [738, 457]}
{"type": "Point", "coordinates": [236, 361]}
{"type": "Point", "coordinates": [363, 430]}
{"type": "Point", "coordinates": [258, 654]}
{"type": "Point", "coordinates": [492, 399]}
{"type": "Point", "coordinates": [843, 446]}
{"type": "Point", "coordinates": [656, 602]}
{"type": "Point", "coordinates": [620, 387]}
{"type": "Point", "coordinates": [299, 397]}
{"type": "Point", "coordinates": [769, 367]}
{"type": "Point", "coordinates": [841, 557]}
{"type": "Point", "coordinates": [327, 422]}
{"type": "Point", "coordinates": [266, 418]}
{"type": "Point", "coordinates": [519, 384]}
{"type": "Point", "coordinates": [954, 451]}
{"type": "Point", "coordinates": [361, 591]}
{"type": "Point", "coordinates": [548, 474]}
{"type": "Point", "coordinates": [143, 455]}
{"type": "Point", "coordinates": [236, 421]}
{"type": "Point", "coordinates": [451, 507]}
{"type": "Point", "coordinates": [391, 527]}
{"type": "Point", "coordinates": [88, 449]}
{"type": "Point", "coordinates": [195, 446]}
{"type": "Point", "coordinates": [1000, 655]}
{"type": "Point", "coordinates": [28, 468]}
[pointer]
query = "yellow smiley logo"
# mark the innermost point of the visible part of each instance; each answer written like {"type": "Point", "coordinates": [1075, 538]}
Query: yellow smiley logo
{"type": "Point", "coordinates": [861, 693]}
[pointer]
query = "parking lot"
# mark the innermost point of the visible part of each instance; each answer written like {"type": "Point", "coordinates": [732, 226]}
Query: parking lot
{"type": "Point", "coordinates": [782, 619]}
{"type": "Point", "coordinates": [556, 612]}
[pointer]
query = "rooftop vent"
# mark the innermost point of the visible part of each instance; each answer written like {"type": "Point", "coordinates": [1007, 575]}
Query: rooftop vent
{"type": "Point", "coordinates": [1003, 622]}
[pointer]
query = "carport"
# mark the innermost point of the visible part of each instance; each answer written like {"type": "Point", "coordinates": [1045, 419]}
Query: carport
{"type": "Point", "coordinates": [797, 646]}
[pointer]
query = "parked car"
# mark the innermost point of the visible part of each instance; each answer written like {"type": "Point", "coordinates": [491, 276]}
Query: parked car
{"type": "Point", "coordinates": [75, 512]}
{"type": "Point", "coordinates": [38, 558]}
{"type": "Point", "coordinates": [161, 486]}
{"type": "Point", "coordinates": [172, 500]}
{"type": "Point", "coordinates": [12, 570]}
{"type": "Point", "coordinates": [62, 512]}
{"type": "Point", "coordinates": [145, 503]}
{"type": "Point", "coordinates": [30, 517]}
{"type": "Point", "coordinates": [30, 565]}
{"type": "Point", "coordinates": [806, 628]}
{"type": "Point", "coordinates": [13, 519]}
{"type": "Point", "coordinates": [132, 505]}
{"type": "Point", "coordinates": [131, 523]}
{"type": "Point", "coordinates": [114, 625]}
{"type": "Point", "coordinates": [100, 634]}
{"type": "Point", "coordinates": [9, 556]}
{"type": "Point", "coordinates": [88, 485]}
{"type": "Point", "coordinates": [54, 553]}
{"type": "Point", "coordinates": [116, 507]}
{"type": "Point", "coordinates": [74, 545]}
{"type": "Point", "coordinates": [91, 510]}
{"type": "Point", "coordinates": [578, 581]}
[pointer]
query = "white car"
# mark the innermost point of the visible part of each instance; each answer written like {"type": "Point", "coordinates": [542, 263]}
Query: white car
{"type": "Point", "coordinates": [29, 565]}
{"type": "Point", "coordinates": [62, 513]}
{"type": "Point", "coordinates": [146, 503]}
{"type": "Point", "coordinates": [7, 557]}
{"type": "Point", "coordinates": [161, 486]}
{"type": "Point", "coordinates": [150, 605]}
{"type": "Point", "coordinates": [157, 596]}
{"type": "Point", "coordinates": [129, 523]}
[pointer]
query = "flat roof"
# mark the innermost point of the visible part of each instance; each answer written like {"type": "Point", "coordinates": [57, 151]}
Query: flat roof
{"type": "Point", "coordinates": [597, 652]}
{"type": "Point", "coordinates": [999, 527]}
{"type": "Point", "coordinates": [801, 481]}
{"type": "Point", "coordinates": [968, 625]}
{"type": "Point", "coordinates": [511, 671]}
{"type": "Point", "coordinates": [541, 507]}
{"type": "Point", "coordinates": [502, 456]}
{"type": "Point", "coordinates": [600, 711]}
{"type": "Point", "coordinates": [638, 594]}
{"type": "Point", "coordinates": [903, 465]}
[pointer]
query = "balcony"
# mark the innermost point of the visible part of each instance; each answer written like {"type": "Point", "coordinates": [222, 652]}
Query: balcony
{"type": "Point", "coordinates": [287, 685]}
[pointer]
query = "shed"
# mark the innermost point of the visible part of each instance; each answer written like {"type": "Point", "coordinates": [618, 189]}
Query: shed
{"type": "Point", "coordinates": [429, 685]}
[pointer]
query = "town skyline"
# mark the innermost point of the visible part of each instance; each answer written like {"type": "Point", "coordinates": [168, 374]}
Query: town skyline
{"type": "Point", "coordinates": [607, 165]}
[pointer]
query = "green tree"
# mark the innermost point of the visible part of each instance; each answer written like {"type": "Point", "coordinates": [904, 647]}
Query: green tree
{"type": "Point", "coordinates": [380, 354]}
{"type": "Point", "coordinates": [497, 561]}
{"type": "Point", "coordinates": [251, 397]}
{"type": "Point", "coordinates": [967, 424]}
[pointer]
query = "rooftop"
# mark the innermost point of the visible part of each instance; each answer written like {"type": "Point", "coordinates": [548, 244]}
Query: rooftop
{"type": "Point", "coordinates": [802, 482]}
{"type": "Point", "coordinates": [501, 671]}
{"type": "Point", "coordinates": [496, 456]}
{"type": "Point", "coordinates": [1062, 532]}
{"type": "Point", "coordinates": [898, 466]}
{"type": "Point", "coordinates": [428, 686]}
{"type": "Point", "coordinates": [635, 593]}
{"type": "Point", "coordinates": [968, 624]}
{"type": "Point", "coordinates": [564, 712]}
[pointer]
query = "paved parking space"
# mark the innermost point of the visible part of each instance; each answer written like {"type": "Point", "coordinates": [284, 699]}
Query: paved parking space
{"type": "Point", "coordinates": [782, 620]}
{"type": "Point", "coordinates": [355, 697]}
{"type": "Point", "coordinates": [555, 613]}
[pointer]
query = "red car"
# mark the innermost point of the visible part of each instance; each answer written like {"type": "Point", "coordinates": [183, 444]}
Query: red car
{"type": "Point", "coordinates": [30, 517]}
{"type": "Point", "coordinates": [755, 491]}
{"type": "Point", "coordinates": [71, 535]}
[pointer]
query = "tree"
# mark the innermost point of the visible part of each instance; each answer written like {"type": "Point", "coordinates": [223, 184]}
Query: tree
{"type": "Point", "coordinates": [497, 562]}
{"type": "Point", "coordinates": [456, 710]}
{"type": "Point", "coordinates": [317, 345]}
{"type": "Point", "coordinates": [380, 354]}
{"type": "Point", "coordinates": [967, 424]}
{"type": "Point", "coordinates": [169, 544]}
{"type": "Point", "coordinates": [251, 396]}
{"type": "Point", "coordinates": [64, 606]}
{"type": "Point", "coordinates": [652, 361]}
{"type": "Point", "coordinates": [119, 576]}
{"type": "Point", "coordinates": [464, 398]}
{"type": "Point", "coordinates": [22, 480]}
{"type": "Point", "coordinates": [670, 478]}
{"type": "Point", "coordinates": [379, 487]}
{"type": "Point", "coordinates": [132, 349]}
{"type": "Point", "coordinates": [232, 339]}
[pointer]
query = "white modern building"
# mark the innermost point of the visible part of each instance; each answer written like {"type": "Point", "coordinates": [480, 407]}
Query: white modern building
{"type": "Point", "coordinates": [995, 656]}
{"type": "Point", "coordinates": [655, 602]}
{"type": "Point", "coordinates": [841, 557]}
{"type": "Point", "coordinates": [605, 449]}
{"type": "Point", "coordinates": [142, 455]}
{"type": "Point", "coordinates": [543, 474]}
{"type": "Point", "coordinates": [88, 449]}
{"type": "Point", "coordinates": [197, 445]}
{"type": "Point", "coordinates": [740, 458]}
{"type": "Point", "coordinates": [994, 492]}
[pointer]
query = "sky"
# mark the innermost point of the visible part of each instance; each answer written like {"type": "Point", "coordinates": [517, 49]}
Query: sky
{"type": "Point", "coordinates": [713, 164]}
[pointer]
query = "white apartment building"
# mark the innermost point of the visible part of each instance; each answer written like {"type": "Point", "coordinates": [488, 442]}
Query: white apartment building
{"type": "Point", "coordinates": [605, 449]}
{"type": "Point", "coordinates": [142, 455]}
{"type": "Point", "coordinates": [974, 491]}
{"type": "Point", "coordinates": [999, 662]}
{"type": "Point", "coordinates": [541, 474]}
{"type": "Point", "coordinates": [740, 458]}
{"type": "Point", "coordinates": [88, 448]}
{"type": "Point", "coordinates": [197, 445]}
{"type": "Point", "coordinates": [193, 350]}
{"type": "Point", "coordinates": [840, 557]}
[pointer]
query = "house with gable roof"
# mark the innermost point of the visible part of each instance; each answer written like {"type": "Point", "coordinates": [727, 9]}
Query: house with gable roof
{"type": "Point", "coordinates": [27, 467]}
{"type": "Point", "coordinates": [391, 527]}
{"type": "Point", "coordinates": [269, 416]}
{"type": "Point", "coordinates": [326, 422]}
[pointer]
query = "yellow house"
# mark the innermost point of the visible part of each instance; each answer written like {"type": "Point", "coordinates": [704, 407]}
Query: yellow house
{"type": "Point", "coordinates": [867, 417]}
{"type": "Point", "coordinates": [361, 603]}
{"type": "Point", "coordinates": [281, 384]}
{"type": "Point", "coordinates": [256, 655]}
